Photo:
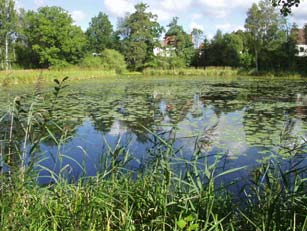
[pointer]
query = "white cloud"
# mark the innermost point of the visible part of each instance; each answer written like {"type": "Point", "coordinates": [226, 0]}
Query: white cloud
{"type": "Point", "coordinates": [299, 13]}
{"type": "Point", "coordinates": [197, 16]}
{"type": "Point", "coordinates": [195, 25]}
{"type": "Point", "coordinates": [18, 4]}
{"type": "Point", "coordinates": [175, 5]}
{"type": "Point", "coordinates": [39, 3]}
{"type": "Point", "coordinates": [78, 16]}
{"type": "Point", "coordinates": [118, 8]}
{"type": "Point", "coordinates": [192, 13]}
{"type": "Point", "coordinates": [165, 9]}
{"type": "Point", "coordinates": [228, 27]}
{"type": "Point", "coordinates": [223, 8]}
{"type": "Point", "coordinates": [163, 15]}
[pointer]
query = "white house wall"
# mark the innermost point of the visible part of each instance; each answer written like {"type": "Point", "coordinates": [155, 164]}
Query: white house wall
{"type": "Point", "coordinates": [302, 50]}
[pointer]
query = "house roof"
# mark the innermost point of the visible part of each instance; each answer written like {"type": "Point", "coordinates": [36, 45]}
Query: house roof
{"type": "Point", "coordinates": [300, 36]}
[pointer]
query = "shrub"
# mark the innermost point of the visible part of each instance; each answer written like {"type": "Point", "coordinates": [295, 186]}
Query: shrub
{"type": "Point", "coordinates": [113, 60]}
{"type": "Point", "coordinates": [91, 61]}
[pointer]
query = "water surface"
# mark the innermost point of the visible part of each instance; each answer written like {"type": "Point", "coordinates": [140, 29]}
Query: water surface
{"type": "Point", "coordinates": [244, 118]}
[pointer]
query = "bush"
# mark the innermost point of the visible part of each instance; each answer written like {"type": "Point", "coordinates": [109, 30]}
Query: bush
{"type": "Point", "coordinates": [108, 60]}
{"type": "Point", "coordinates": [113, 60]}
{"type": "Point", "coordinates": [91, 61]}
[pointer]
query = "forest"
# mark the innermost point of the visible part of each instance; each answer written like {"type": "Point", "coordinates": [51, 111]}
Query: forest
{"type": "Point", "coordinates": [48, 38]}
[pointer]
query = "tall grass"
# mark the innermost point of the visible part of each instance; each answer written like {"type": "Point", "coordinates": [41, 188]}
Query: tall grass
{"type": "Point", "coordinates": [12, 77]}
{"type": "Point", "coordinates": [169, 193]}
{"type": "Point", "coordinates": [209, 71]}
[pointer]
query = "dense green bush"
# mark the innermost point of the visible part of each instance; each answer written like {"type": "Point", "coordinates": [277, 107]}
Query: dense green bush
{"type": "Point", "coordinates": [113, 60]}
{"type": "Point", "coordinates": [91, 61]}
{"type": "Point", "coordinates": [108, 60]}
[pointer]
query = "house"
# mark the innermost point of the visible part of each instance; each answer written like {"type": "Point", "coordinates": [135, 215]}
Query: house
{"type": "Point", "coordinates": [166, 48]}
{"type": "Point", "coordinates": [301, 44]}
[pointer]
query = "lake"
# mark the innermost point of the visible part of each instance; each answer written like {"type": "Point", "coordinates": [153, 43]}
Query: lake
{"type": "Point", "coordinates": [245, 119]}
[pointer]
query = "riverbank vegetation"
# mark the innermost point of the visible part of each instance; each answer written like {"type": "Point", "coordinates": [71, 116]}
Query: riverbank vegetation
{"type": "Point", "coordinates": [47, 38]}
{"type": "Point", "coordinates": [158, 198]}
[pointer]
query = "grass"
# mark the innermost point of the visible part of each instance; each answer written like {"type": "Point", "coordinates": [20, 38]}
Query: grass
{"type": "Point", "coordinates": [157, 199]}
{"type": "Point", "coordinates": [168, 193]}
{"type": "Point", "coordinates": [209, 71]}
{"type": "Point", "coordinates": [13, 77]}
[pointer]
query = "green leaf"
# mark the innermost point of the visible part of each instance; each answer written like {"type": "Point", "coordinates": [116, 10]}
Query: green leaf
{"type": "Point", "coordinates": [189, 218]}
{"type": "Point", "coordinates": [193, 227]}
{"type": "Point", "coordinates": [181, 223]}
{"type": "Point", "coordinates": [65, 78]}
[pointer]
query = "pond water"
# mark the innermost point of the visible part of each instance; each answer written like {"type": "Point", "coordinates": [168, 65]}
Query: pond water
{"type": "Point", "coordinates": [244, 118]}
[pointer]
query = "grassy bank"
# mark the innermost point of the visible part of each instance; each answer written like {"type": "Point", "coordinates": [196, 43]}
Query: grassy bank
{"type": "Point", "coordinates": [12, 77]}
{"type": "Point", "coordinates": [209, 71]}
{"type": "Point", "coordinates": [218, 72]}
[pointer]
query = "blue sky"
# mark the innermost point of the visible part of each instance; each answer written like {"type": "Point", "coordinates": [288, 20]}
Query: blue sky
{"type": "Point", "coordinates": [208, 15]}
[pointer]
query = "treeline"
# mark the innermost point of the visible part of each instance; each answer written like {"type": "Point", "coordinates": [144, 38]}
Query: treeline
{"type": "Point", "coordinates": [48, 38]}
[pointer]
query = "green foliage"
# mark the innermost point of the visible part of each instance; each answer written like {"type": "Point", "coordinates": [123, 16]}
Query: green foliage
{"type": "Point", "coordinates": [187, 223]}
{"type": "Point", "coordinates": [263, 24]}
{"type": "Point", "coordinates": [47, 38]}
{"type": "Point", "coordinates": [184, 47]}
{"type": "Point", "coordinates": [99, 33]}
{"type": "Point", "coordinates": [208, 71]}
{"type": "Point", "coordinates": [91, 61]}
{"type": "Point", "coordinates": [8, 31]}
{"type": "Point", "coordinates": [223, 50]}
{"type": "Point", "coordinates": [139, 33]}
{"type": "Point", "coordinates": [113, 60]}
{"type": "Point", "coordinates": [52, 39]}
{"type": "Point", "coordinates": [108, 60]}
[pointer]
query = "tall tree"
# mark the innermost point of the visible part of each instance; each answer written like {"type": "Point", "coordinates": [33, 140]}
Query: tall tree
{"type": "Point", "coordinates": [182, 42]}
{"type": "Point", "coordinates": [8, 29]}
{"type": "Point", "coordinates": [99, 33]}
{"type": "Point", "coordinates": [52, 39]}
{"type": "Point", "coordinates": [223, 50]}
{"type": "Point", "coordinates": [263, 25]}
{"type": "Point", "coordinates": [140, 34]}
{"type": "Point", "coordinates": [197, 37]}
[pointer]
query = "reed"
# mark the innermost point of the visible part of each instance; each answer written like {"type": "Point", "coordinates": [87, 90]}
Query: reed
{"type": "Point", "coordinates": [13, 77]}
{"type": "Point", "coordinates": [209, 71]}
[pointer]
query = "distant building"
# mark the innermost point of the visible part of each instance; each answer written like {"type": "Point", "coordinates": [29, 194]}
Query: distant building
{"type": "Point", "coordinates": [167, 47]}
{"type": "Point", "coordinates": [170, 41]}
{"type": "Point", "coordinates": [301, 44]}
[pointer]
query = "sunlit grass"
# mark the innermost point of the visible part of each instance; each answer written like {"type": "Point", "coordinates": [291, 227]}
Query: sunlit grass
{"type": "Point", "coordinates": [209, 71]}
{"type": "Point", "coordinates": [31, 76]}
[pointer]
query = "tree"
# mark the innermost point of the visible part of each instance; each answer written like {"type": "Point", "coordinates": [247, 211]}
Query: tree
{"type": "Point", "coordinates": [99, 33]}
{"type": "Point", "coordinates": [52, 39]}
{"type": "Point", "coordinates": [139, 34]}
{"type": "Point", "coordinates": [263, 26]}
{"type": "Point", "coordinates": [8, 30]}
{"type": "Point", "coordinates": [286, 6]}
{"type": "Point", "coordinates": [182, 42]}
{"type": "Point", "coordinates": [213, 51]}
{"type": "Point", "coordinates": [223, 50]}
{"type": "Point", "coordinates": [197, 37]}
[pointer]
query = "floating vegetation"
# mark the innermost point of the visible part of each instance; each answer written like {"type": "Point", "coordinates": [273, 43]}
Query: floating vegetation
{"type": "Point", "coordinates": [235, 114]}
